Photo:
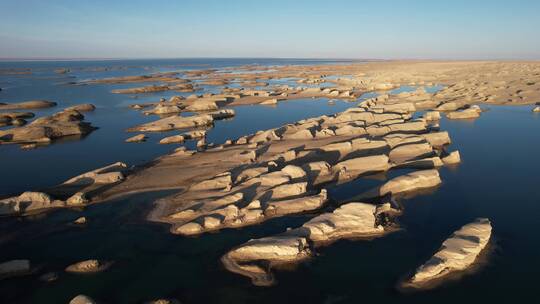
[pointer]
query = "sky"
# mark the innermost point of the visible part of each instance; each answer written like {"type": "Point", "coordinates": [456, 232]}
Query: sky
{"type": "Point", "coordinates": [391, 29]}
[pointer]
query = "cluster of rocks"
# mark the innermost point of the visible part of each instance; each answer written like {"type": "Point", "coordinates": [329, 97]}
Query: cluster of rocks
{"type": "Point", "coordinates": [181, 87]}
{"type": "Point", "coordinates": [183, 122]}
{"type": "Point", "coordinates": [255, 258]}
{"type": "Point", "coordinates": [346, 146]}
{"type": "Point", "coordinates": [76, 191]}
{"type": "Point", "coordinates": [169, 77]}
{"type": "Point", "coordinates": [285, 171]}
{"type": "Point", "coordinates": [43, 130]}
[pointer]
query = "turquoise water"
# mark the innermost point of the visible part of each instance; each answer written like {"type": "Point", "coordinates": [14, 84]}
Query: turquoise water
{"type": "Point", "coordinates": [497, 179]}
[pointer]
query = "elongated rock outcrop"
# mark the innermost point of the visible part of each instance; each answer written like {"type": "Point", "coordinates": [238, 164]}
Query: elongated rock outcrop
{"type": "Point", "coordinates": [45, 129]}
{"type": "Point", "coordinates": [255, 258]}
{"type": "Point", "coordinates": [458, 253]}
{"type": "Point", "coordinates": [407, 183]}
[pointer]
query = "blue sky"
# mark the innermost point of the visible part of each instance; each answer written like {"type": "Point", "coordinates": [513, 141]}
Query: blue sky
{"type": "Point", "coordinates": [453, 29]}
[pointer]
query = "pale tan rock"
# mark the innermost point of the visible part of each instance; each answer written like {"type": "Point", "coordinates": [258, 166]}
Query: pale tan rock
{"type": "Point", "coordinates": [219, 182]}
{"type": "Point", "coordinates": [432, 115]}
{"type": "Point", "coordinates": [105, 175]}
{"type": "Point", "coordinates": [175, 139]}
{"type": "Point", "coordinates": [250, 173]}
{"type": "Point", "coordinates": [79, 198]}
{"type": "Point", "coordinates": [279, 248]}
{"type": "Point", "coordinates": [27, 202]}
{"type": "Point", "coordinates": [80, 221]}
{"type": "Point", "coordinates": [288, 190]}
{"type": "Point", "coordinates": [210, 222]}
{"type": "Point", "coordinates": [536, 109]}
{"type": "Point", "coordinates": [109, 178]}
{"type": "Point", "coordinates": [297, 205]}
{"type": "Point", "coordinates": [470, 113]}
{"type": "Point", "coordinates": [189, 229]}
{"type": "Point", "coordinates": [349, 220]}
{"type": "Point", "coordinates": [271, 101]}
{"type": "Point", "coordinates": [136, 139]}
{"type": "Point", "coordinates": [452, 158]}
{"type": "Point", "coordinates": [85, 107]}
{"type": "Point", "coordinates": [202, 105]}
{"type": "Point", "coordinates": [173, 123]}
{"type": "Point", "coordinates": [457, 253]}
{"type": "Point", "coordinates": [82, 299]}
{"type": "Point", "coordinates": [87, 266]}
{"type": "Point", "coordinates": [449, 106]}
{"type": "Point", "coordinates": [33, 104]}
{"type": "Point", "coordinates": [355, 167]}
{"type": "Point", "coordinates": [408, 152]}
{"type": "Point", "coordinates": [437, 139]}
{"type": "Point", "coordinates": [411, 182]}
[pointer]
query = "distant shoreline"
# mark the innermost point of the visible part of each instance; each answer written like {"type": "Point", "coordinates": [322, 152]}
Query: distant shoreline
{"type": "Point", "coordinates": [185, 58]}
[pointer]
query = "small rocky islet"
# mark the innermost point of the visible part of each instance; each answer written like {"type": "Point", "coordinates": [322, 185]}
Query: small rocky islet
{"type": "Point", "coordinates": [285, 170]}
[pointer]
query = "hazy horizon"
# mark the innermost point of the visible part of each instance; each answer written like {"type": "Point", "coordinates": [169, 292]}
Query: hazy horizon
{"type": "Point", "coordinates": [455, 30]}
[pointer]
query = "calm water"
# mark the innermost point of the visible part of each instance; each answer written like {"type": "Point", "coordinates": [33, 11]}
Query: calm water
{"type": "Point", "coordinates": [56, 163]}
{"type": "Point", "coordinates": [497, 179]}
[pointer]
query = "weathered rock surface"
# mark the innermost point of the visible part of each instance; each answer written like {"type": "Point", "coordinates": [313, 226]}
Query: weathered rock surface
{"type": "Point", "coordinates": [85, 107]}
{"type": "Point", "coordinates": [470, 113]}
{"type": "Point", "coordinates": [172, 139]}
{"type": "Point", "coordinates": [351, 220]}
{"type": "Point", "coordinates": [457, 253]}
{"type": "Point", "coordinates": [46, 129]}
{"type": "Point", "coordinates": [34, 104]}
{"type": "Point", "coordinates": [407, 183]}
{"type": "Point", "coordinates": [82, 299]}
{"type": "Point", "coordinates": [452, 158]}
{"type": "Point", "coordinates": [173, 123]}
{"type": "Point", "coordinates": [88, 266]}
{"type": "Point", "coordinates": [136, 139]}
{"type": "Point", "coordinates": [27, 202]}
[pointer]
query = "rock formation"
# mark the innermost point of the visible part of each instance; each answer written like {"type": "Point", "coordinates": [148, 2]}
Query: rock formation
{"type": "Point", "coordinates": [351, 220]}
{"type": "Point", "coordinates": [458, 253]}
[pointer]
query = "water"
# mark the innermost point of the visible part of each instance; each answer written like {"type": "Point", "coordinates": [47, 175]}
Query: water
{"type": "Point", "coordinates": [58, 162]}
{"type": "Point", "coordinates": [497, 179]}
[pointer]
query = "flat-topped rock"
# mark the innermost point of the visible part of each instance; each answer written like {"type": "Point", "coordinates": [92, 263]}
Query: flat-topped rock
{"type": "Point", "coordinates": [88, 266]}
{"type": "Point", "coordinates": [136, 139]}
{"type": "Point", "coordinates": [411, 182]}
{"type": "Point", "coordinates": [349, 220]}
{"type": "Point", "coordinates": [452, 158]}
{"type": "Point", "coordinates": [85, 107]}
{"type": "Point", "coordinates": [47, 128]}
{"type": "Point", "coordinates": [172, 139]}
{"type": "Point", "coordinates": [33, 104]}
{"type": "Point", "coordinates": [174, 122]}
{"type": "Point", "coordinates": [470, 113]}
{"type": "Point", "coordinates": [457, 253]}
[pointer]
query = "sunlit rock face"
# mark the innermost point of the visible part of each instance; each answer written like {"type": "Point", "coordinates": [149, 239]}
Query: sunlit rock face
{"type": "Point", "coordinates": [457, 253]}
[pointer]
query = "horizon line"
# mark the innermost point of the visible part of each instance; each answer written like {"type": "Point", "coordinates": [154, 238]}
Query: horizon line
{"type": "Point", "coordinates": [15, 59]}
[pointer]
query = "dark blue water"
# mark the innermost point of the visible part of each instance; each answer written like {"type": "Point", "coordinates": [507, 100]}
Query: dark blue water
{"type": "Point", "coordinates": [497, 179]}
{"type": "Point", "coordinates": [54, 164]}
